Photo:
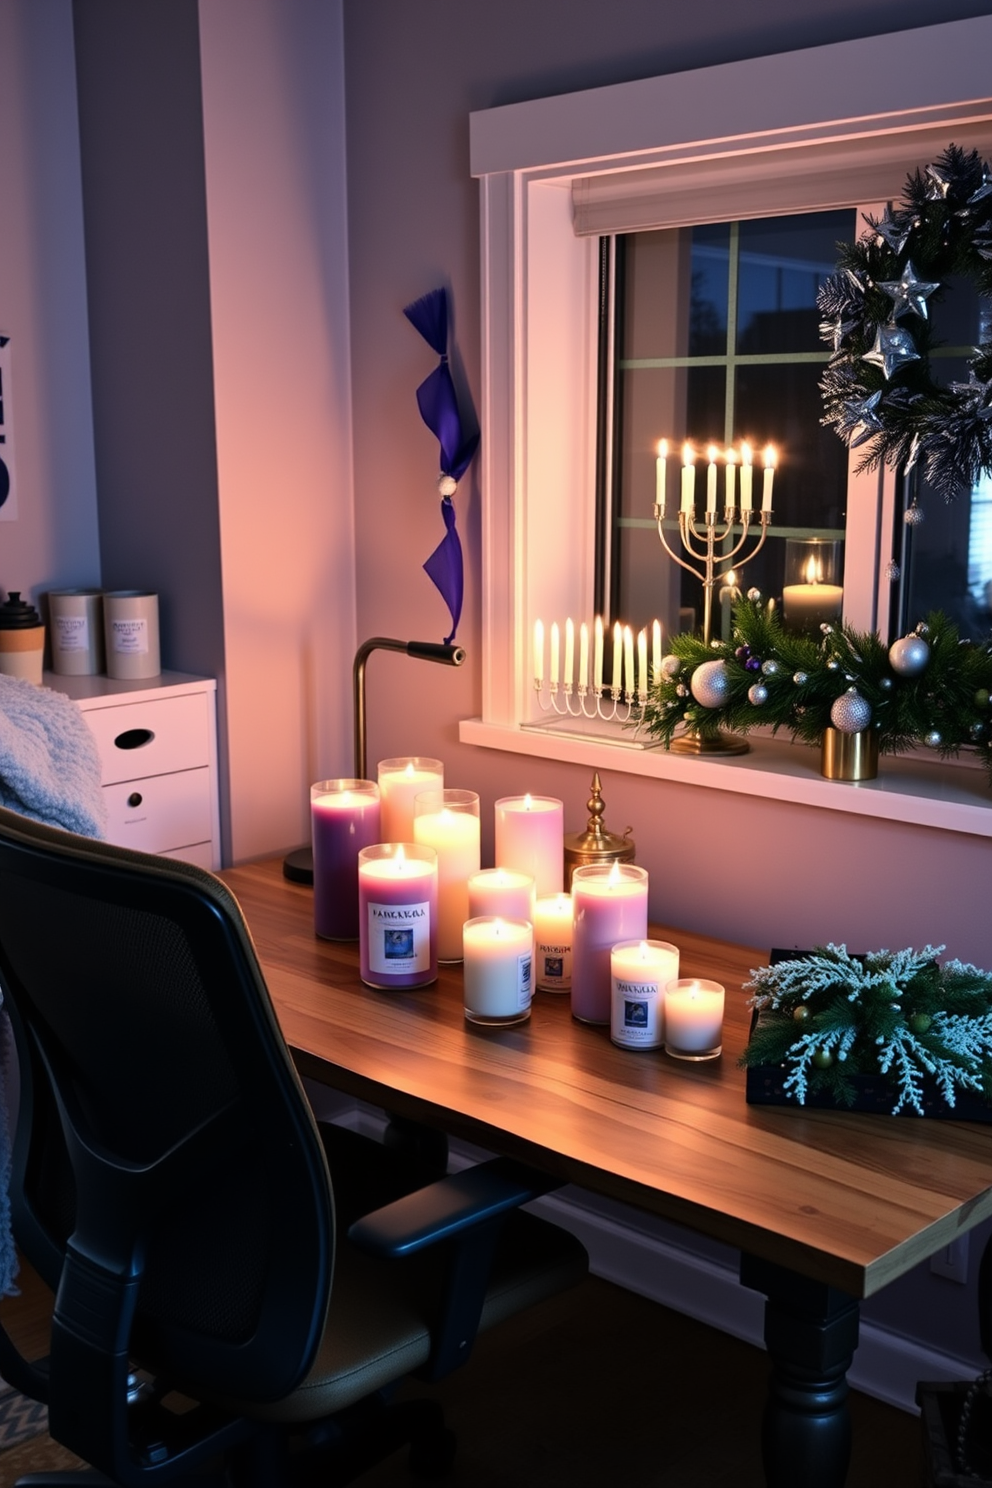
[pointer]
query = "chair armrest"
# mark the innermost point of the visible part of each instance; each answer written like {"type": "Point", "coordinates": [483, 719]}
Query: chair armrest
{"type": "Point", "coordinates": [449, 1207]}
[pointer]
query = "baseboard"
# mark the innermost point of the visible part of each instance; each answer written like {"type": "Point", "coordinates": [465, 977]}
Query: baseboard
{"type": "Point", "coordinates": [887, 1365]}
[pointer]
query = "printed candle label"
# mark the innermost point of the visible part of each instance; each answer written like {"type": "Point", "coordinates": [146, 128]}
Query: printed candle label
{"type": "Point", "coordinates": [554, 965]}
{"type": "Point", "coordinates": [130, 637]}
{"type": "Point", "coordinates": [636, 1008]}
{"type": "Point", "coordinates": [524, 974]}
{"type": "Point", "coordinates": [399, 938]}
{"type": "Point", "coordinates": [72, 633]}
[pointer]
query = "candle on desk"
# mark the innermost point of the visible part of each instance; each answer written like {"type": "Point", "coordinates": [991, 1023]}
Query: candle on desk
{"type": "Point", "coordinates": [693, 1019]}
{"type": "Point", "coordinates": [498, 975]}
{"type": "Point", "coordinates": [400, 782]}
{"type": "Point", "coordinates": [344, 818]}
{"type": "Point", "coordinates": [640, 971]}
{"type": "Point", "coordinates": [766, 493]}
{"type": "Point", "coordinates": [609, 904]}
{"type": "Point", "coordinates": [747, 477]}
{"type": "Point", "coordinates": [448, 821]}
{"type": "Point", "coordinates": [397, 915]}
{"type": "Point", "coordinates": [688, 479]}
{"type": "Point", "coordinates": [711, 479]}
{"type": "Point", "coordinates": [530, 838]}
{"type": "Point", "coordinates": [553, 943]}
{"type": "Point", "coordinates": [660, 476]}
{"type": "Point", "coordinates": [502, 892]}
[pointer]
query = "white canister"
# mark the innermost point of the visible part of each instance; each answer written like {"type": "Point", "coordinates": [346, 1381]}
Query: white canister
{"type": "Point", "coordinates": [76, 627]}
{"type": "Point", "coordinates": [130, 620]}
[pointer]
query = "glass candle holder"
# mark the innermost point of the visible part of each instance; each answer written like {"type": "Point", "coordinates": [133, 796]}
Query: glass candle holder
{"type": "Point", "coordinates": [609, 904]}
{"type": "Point", "coordinates": [344, 818]}
{"type": "Point", "coordinates": [498, 975]}
{"type": "Point", "coordinates": [553, 943]}
{"type": "Point", "coordinates": [397, 915]}
{"type": "Point", "coordinates": [530, 838]}
{"type": "Point", "coordinates": [812, 594]}
{"type": "Point", "coordinates": [448, 821]}
{"type": "Point", "coordinates": [693, 1019]}
{"type": "Point", "coordinates": [400, 782]}
{"type": "Point", "coordinates": [640, 971]}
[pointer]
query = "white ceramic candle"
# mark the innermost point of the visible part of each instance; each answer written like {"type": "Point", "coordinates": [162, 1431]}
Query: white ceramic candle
{"type": "Point", "coordinates": [553, 943]}
{"type": "Point", "coordinates": [640, 971]}
{"type": "Point", "coordinates": [609, 904]}
{"type": "Point", "coordinates": [498, 975]}
{"type": "Point", "coordinates": [502, 892]}
{"type": "Point", "coordinates": [397, 915]}
{"type": "Point", "coordinates": [400, 782]}
{"type": "Point", "coordinates": [530, 838]}
{"type": "Point", "coordinates": [448, 821]}
{"type": "Point", "coordinates": [693, 1019]}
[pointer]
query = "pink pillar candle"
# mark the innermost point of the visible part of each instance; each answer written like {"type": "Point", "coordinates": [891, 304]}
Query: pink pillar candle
{"type": "Point", "coordinates": [500, 891]}
{"type": "Point", "coordinates": [498, 976]}
{"type": "Point", "coordinates": [530, 838]}
{"type": "Point", "coordinates": [344, 818]}
{"type": "Point", "coordinates": [400, 781]}
{"type": "Point", "coordinates": [609, 904]}
{"type": "Point", "coordinates": [448, 821]}
{"type": "Point", "coordinates": [693, 1019]}
{"type": "Point", "coordinates": [553, 943]}
{"type": "Point", "coordinates": [641, 970]}
{"type": "Point", "coordinates": [397, 915]}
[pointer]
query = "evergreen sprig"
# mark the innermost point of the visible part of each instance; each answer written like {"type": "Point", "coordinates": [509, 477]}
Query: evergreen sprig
{"type": "Point", "coordinates": [828, 1016]}
{"type": "Point", "coordinates": [946, 706]}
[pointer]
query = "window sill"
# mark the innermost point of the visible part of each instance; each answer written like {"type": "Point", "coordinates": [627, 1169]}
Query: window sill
{"type": "Point", "coordinates": [950, 796]}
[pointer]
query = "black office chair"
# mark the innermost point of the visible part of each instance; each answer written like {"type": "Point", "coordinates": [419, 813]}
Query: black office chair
{"type": "Point", "coordinates": [171, 1186]}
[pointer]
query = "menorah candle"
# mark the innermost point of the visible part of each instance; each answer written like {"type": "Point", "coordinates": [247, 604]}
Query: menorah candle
{"type": "Point", "coordinates": [553, 943]}
{"type": "Point", "coordinates": [530, 838]}
{"type": "Point", "coordinates": [693, 1019]}
{"type": "Point", "coordinates": [597, 655]}
{"type": "Point", "coordinates": [766, 493]}
{"type": "Point", "coordinates": [448, 821]}
{"type": "Point", "coordinates": [731, 478]}
{"type": "Point", "coordinates": [553, 665]}
{"type": "Point", "coordinates": [640, 971]}
{"type": "Point", "coordinates": [503, 892]}
{"type": "Point", "coordinates": [656, 649]}
{"type": "Point", "coordinates": [397, 915]}
{"type": "Point", "coordinates": [630, 682]}
{"type": "Point", "coordinates": [688, 479]}
{"type": "Point", "coordinates": [568, 677]}
{"type": "Point", "coordinates": [617, 679]}
{"type": "Point", "coordinates": [642, 663]}
{"type": "Point", "coordinates": [498, 975]}
{"type": "Point", "coordinates": [660, 475]}
{"type": "Point", "coordinates": [583, 655]}
{"type": "Point", "coordinates": [400, 782]}
{"type": "Point", "coordinates": [344, 818]}
{"type": "Point", "coordinates": [609, 904]}
{"type": "Point", "coordinates": [747, 476]}
{"type": "Point", "coordinates": [711, 479]}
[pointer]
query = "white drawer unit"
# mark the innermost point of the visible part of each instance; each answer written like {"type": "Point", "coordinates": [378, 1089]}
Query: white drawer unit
{"type": "Point", "coordinates": [157, 740]}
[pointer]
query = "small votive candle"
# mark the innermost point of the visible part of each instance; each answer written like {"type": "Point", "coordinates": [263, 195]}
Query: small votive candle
{"type": "Point", "coordinates": [448, 821]}
{"type": "Point", "coordinates": [397, 915]}
{"type": "Point", "coordinates": [344, 818]}
{"type": "Point", "coordinates": [530, 838]}
{"type": "Point", "coordinates": [498, 974]}
{"type": "Point", "coordinates": [609, 904]}
{"type": "Point", "coordinates": [693, 1019]}
{"type": "Point", "coordinates": [501, 891]}
{"type": "Point", "coordinates": [400, 782]}
{"type": "Point", "coordinates": [641, 970]}
{"type": "Point", "coordinates": [553, 943]}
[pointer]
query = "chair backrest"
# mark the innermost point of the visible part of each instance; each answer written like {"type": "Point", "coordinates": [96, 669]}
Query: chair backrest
{"type": "Point", "coordinates": [167, 1177]}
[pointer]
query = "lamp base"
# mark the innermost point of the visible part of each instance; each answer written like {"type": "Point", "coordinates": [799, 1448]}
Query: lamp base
{"type": "Point", "coordinates": [297, 866]}
{"type": "Point", "coordinates": [693, 743]}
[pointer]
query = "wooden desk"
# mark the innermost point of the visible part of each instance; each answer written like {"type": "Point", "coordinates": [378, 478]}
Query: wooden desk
{"type": "Point", "coordinates": [826, 1208]}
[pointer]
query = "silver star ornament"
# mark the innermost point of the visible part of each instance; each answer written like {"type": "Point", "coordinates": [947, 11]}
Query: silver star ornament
{"type": "Point", "coordinates": [891, 230]}
{"type": "Point", "coordinates": [893, 348]}
{"type": "Point", "coordinates": [909, 294]}
{"type": "Point", "coordinates": [986, 187]}
{"type": "Point", "coordinates": [860, 421]}
{"type": "Point", "coordinates": [938, 183]}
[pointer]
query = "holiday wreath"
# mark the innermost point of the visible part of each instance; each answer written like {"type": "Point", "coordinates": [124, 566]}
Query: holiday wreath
{"type": "Point", "coordinates": [879, 389]}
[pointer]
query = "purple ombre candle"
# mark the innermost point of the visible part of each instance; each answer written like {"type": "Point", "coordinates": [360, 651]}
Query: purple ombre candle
{"type": "Point", "coordinates": [609, 904]}
{"type": "Point", "coordinates": [344, 818]}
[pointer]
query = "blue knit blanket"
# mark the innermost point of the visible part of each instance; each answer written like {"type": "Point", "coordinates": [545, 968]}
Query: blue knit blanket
{"type": "Point", "coordinates": [50, 771]}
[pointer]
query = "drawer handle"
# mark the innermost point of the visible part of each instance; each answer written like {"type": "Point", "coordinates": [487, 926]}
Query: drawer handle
{"type": "Point", "coordinates": [134, 738]}
{"type": "Point", "coordinates": [134, 799]}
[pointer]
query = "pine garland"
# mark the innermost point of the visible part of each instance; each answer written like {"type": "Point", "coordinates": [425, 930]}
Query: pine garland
{"type": "Point", "coordinates": [829, 1016]}
{"type": "Point", "coordinates": [768, 675]}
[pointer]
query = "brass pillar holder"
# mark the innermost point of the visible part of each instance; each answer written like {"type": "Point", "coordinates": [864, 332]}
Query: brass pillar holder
{"type": "Point", "coordinates": [850, 757]}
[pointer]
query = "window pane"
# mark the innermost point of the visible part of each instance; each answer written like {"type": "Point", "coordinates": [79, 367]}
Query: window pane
{"type": "Point", "coordinates": [710, 286]}
{"type": "Point", "coordinates": [783, 262]}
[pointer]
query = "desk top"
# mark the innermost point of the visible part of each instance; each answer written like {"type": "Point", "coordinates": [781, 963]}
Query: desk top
{"type": "Point", "coordinates": [849, 1199]}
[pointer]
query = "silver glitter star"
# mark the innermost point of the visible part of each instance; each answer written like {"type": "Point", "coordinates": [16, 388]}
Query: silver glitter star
{"type": "Point", "coordinates": [975, 395]}
{"type": "Point", "coordinates": [909, 294]}
{"type": "Point", "coordinates": [890, 229]}
{"type": "Point", "coordinates": [938, 183]}
{"type": "Point", "coordinates": [986, 187]}
{"type": "Point", "coordinates": [860, 421]}
{"type": "Point", "coordinates": [892, 349]}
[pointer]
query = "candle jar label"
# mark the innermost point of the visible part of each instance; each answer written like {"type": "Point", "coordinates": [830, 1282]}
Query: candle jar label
{"type": "Point", "coordinates": [71, 633]}
{"type": "Point", "coordinates": [637, 1021]}
{"type": "Point", "coordinates": [554, 966]}
{"type": "Point", "coordinates": [399, 938]}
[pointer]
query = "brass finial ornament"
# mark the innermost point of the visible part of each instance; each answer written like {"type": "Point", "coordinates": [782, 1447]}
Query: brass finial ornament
{"type": "Point", "coordinates": [596, 844]}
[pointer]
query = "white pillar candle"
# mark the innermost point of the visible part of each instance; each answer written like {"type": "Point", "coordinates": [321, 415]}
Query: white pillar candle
{"type": "Point", "coordinates": [747, 476]}
{"type": "Point", "coordinates": [397, 915]}
{"type": "Point", "coordinates": [568, 678]}
{"type": "Point", "coordinates": [617, 679]}
{"type": "Point", "coordinates": [553, 669]}
{"type": "Point", "coordinates": [693, 1019]}
{"type": "Point", "coordinates": [711, 479]}
{"type": "Point", "coordinates": [498, 975]}
{"type": "Point", "coordinates": [731, 478]}
{"type": "Point", "coordinates": [656, 649]}
{"type": "Point", "coordinates": [629, 680]}
{"type": "Point", "coordinates": [553, 943]}
{"type": "Point", "coordinates": [766, 494]}
{"type": "Point", "coordinates": [641, 970]}
{"type": "Point", "coordinates": [609, 904]}
{"type": "Point", "coordinates": [530, 838]}
{"type": "Point", "coordinates": [400, 782]}
{"type": "Point", "coordinates": [688, 479]}
{"type": "Point", "coordinates": [583, 655]}
{"type": "Point", "coordinates": [660, 473]}
{"type": "Point", "coordinates": [539, 651]}
{"type": "Point", "coordinates": [597, 661]}
{"type": "Point", "coordinates": [642, 664]}
{"type": "Point", "coordinates": [448, 821]}
{"type": "Point", "coordinates": [503, 892]}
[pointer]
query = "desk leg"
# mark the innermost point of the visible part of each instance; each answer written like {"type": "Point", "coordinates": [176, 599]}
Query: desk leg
{"type": "Point", "coordinates": [811, 1332]}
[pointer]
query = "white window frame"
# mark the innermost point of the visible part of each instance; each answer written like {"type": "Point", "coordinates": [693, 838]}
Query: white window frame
{"type": "Point", "coordinates": [539, 297]}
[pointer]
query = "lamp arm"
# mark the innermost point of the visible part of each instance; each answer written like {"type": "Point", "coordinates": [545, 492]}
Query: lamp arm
{"type": "Point", "coordinates": [436, 651]}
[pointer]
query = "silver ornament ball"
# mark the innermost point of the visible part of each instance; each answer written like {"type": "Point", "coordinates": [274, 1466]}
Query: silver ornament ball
{"type": "Point", "coordinates": [757, 694]}
{"type": "Point", "coordinates": [800, 678]}
{"type": "Point", "coordinates": [770, 668]}
{"type": "Point", "coordinates": [850, 712]}
{"type": "Point", "coordinates": [933, 739]}
{"type": "Point", "coordinates": [923, 628]}
{"type": "Point", "coordinates": [913, 515]}
{"type": "Point", "coordinates": [754, 595]}
{"type": "Point", "coordinates": [670, 666]}
{"type": "Point", "coordinates": [892, 571]}
{"type": "Point", "coordinates": [909, 655]}
{"type": "Point", "coordinates": [710, 684]}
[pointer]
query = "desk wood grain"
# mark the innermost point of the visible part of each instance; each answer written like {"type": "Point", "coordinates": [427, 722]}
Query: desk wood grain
{"type": "Point", "coordinates": [849, 1199]}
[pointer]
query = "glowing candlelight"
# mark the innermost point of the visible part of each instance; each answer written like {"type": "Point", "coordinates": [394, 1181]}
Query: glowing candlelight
{"type": "Point", "coordinates": [660, 476]}
{"type": "Point", "coordinates": [597, 663]}
{"type": "Point", "coordinates": [766, 494]}
{"type": "Point", "coordinates": [746, 477]}
{"type": "Point", "coordinates": [656, 649]}
{"type": "Point", "coordinates": [617, 680]}
{"type": "Point", "coordinates": [688, 478]}
{"type": "Point", "coordinates": [642, 663]}
{"type": "Point", "coordinates": [731, 477]}
{"type": "Point", "coordinates": [711, 479]}
{"type": "Point", "coordinates": [628, 661]}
